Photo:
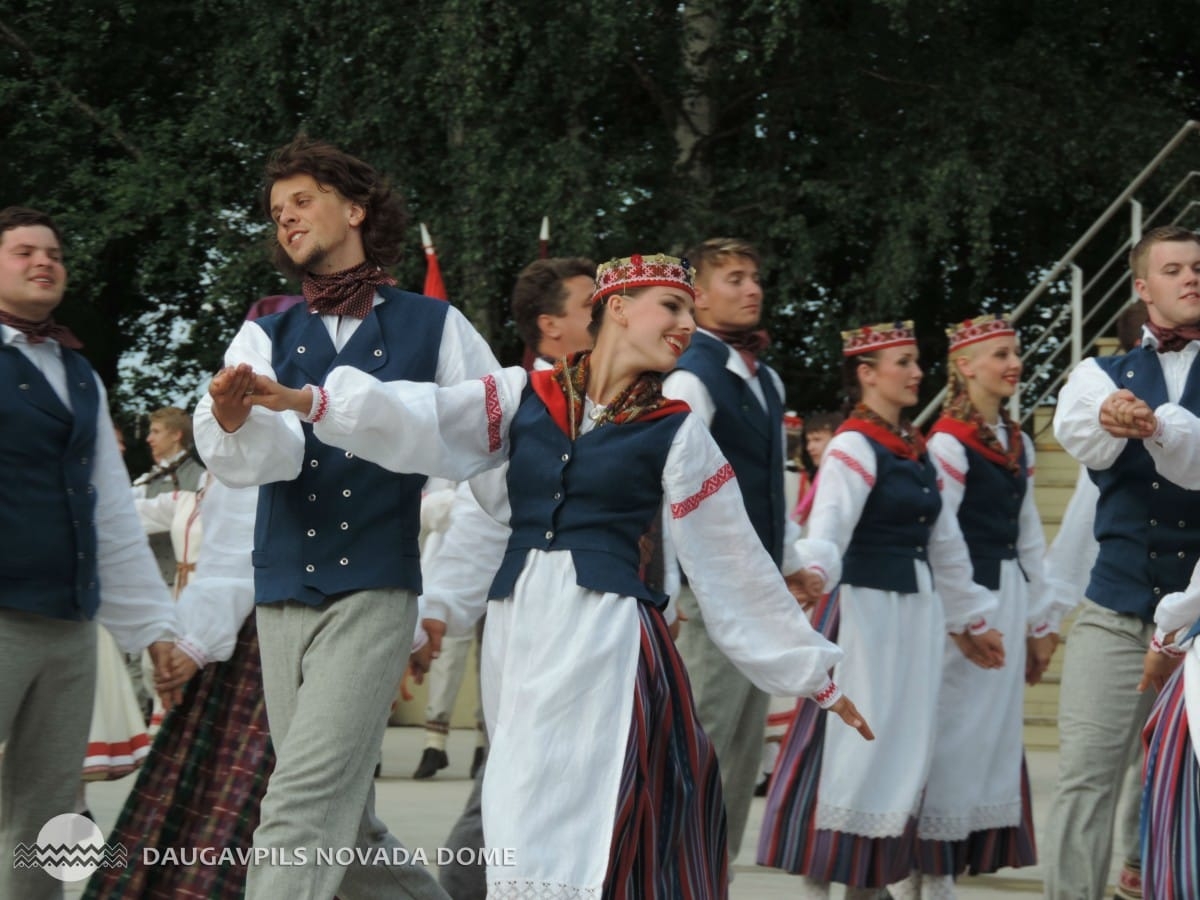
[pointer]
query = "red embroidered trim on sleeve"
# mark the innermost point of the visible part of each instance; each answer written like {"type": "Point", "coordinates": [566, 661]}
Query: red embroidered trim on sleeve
{"type": "Point", "coordinates": [491, 401]}
{"type": "Point", "coordinates": [711, 485]}
{"type": "Point", "coordinates": [822, 696]}
{"type": "Point", "coordinates": [321, 404]}
{"type": "Point", "coordinates": [960, 477]}
{"type": "Point", "coordinates": [854, 465]}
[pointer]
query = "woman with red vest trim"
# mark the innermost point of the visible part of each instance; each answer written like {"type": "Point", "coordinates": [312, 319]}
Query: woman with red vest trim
{"type": "Point", "coordinates": [842, 811]}
{"type": "Point", "coordinates": [976, 815]}
{"type": "Point", "coordinates": [600, 781]}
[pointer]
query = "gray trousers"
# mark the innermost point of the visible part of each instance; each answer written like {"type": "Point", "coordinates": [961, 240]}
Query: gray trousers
{"type": "Point", "coordinates": [47, 682]}
{"type": "Point", "coordinates": [733, 713]}
{"type": "Point", "coordinates": [466, 881]}
{"type": "Point", "coordinates": [1100, 719]}
{"type": "Point", "coordinates": [329, 675]}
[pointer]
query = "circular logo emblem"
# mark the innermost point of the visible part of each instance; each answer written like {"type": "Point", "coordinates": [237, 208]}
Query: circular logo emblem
{"type": "Point", "coordinates": [71, 847]}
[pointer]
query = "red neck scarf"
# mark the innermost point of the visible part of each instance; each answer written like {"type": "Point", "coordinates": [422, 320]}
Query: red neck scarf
{"type": "Point", "coordinates": [38, 332]}
{"type": "Point", "coordinates": [961, 420]}
{"type": "Point", "coordinates": [905, 441]}
{"type": "Point", "coordinates": [350, 292]}
{"type": "Point", "coordinates": [748, 342]}
{"type": "Point", "coordinates": [1171, 339]}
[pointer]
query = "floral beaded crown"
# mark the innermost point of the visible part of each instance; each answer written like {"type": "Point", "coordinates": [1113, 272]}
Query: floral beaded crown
{"type": "Point", "coordinates": [870, 338]}
{"type": "Point", "coordinates": [639, 271]}
{"type": "Point", "coordinates": [981, 328]}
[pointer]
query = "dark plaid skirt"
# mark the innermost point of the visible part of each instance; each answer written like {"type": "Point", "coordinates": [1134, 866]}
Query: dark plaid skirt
{"type": "Point", "coordinates": [669, 832]}
{"type": "Point", "coordinates": [200, 787]}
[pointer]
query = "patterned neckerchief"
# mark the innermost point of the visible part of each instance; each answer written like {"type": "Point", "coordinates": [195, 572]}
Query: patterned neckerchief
{"type": "Point", "coordinates": [350, 292]}
{"type": "Point", "coordinates": [904, 441]}
{"type": "Point", "coordinates": [642, 397]}
{"type": "Point", "coordinates": [982, 437]}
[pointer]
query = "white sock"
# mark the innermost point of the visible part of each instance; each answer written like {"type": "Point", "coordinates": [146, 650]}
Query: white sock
{"type": "Point", "coordinates": [938, 887]}
{"type": "Point", "coordinates": [908, 889]}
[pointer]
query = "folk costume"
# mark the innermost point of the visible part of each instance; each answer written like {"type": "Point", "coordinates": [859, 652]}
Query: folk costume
{"type": "Point", "coordinates": [336, 568]}
{"type": "Point", "coordinates": [599, 776]}
{"type": "Point", "coordinates": [840, 810]}
{"type": "Point", "coordinates": [740, 400]}
{"type": "Point", "coordinates": [73, 552]}
{"type": "Point", "coordinates": [976, 813]}
{"type": "Point", "coordinates": [1148, 529]}
{"type": "Point", "coordinates": [175, 477]}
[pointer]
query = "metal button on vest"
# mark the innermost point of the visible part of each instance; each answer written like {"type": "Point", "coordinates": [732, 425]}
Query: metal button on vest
{"type": "Point", "coordinates": [310, 568]}
{"type": "Point", "coordinates": [345, 526]}
{"type": "Point", "coordinates": [343, 561]}
{"type": "Point", "coordinates": [1181, 554]}
{"type": "Point", "coordinates": [1153, 555]}
{"type": "Point", "coordinates": [312, 498]}
{"type": "Point", "coordinates": [1129, 374]}
{"type": "Point", "coordinates": [1154, 484]}
{"type": "Point", "coordinates": [300, 349]}
{"type": "Point", "coordinates": [549, 535]}
{"type": "Point", "coordinates": [566, 456]}
{"type": "Point", "coordinates": [921, 518]}
{"type": "Point", "coordinates": [346, 492]}
{"type": "Point", "coordinates": [378, 353]}
{"type": "Point", "coordinates": [1157, 591]}
{"type": "Point", "coordinates": [23, 387]}
{"type": "Point", "coordinates": [1182, 524]}
{"type": "Point", "coordinates": [349, 455]}
{"type": "Point", "coordinates": [313, 463]}
{"type": "Point", "coordinates": [926, 490]}
{"type": "Point", "coordinates": [1154, 521]}
{"type": "Point", "coordinates": [312, 532]}
{"type": "Point", "coordinates": [558, 495]}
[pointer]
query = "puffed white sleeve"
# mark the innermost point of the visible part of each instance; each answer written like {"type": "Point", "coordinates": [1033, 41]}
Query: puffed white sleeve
{"type": "Point", "coordinates": [269, 446]}
{"type": "Point", "coordinates": [1077, 417]}
{"type": "Point", "coordinates": [847, 477]}
{"type": "Point", "coordinates": [463, 353]}
{"type": "Point", "coordinates": [452, 432]}
{"type": "Point", "coordinates": [967, 604]}
{"type": "Point", "coordinates": [1175, 446]}
{"type": "Point", "coordinates": [220, 594]}
{"type": "Point", "coordinates": [1031, 551]}
{"type": "Point", "coordinates": [135, 604]}
{"type": "Point", "coordinates": [749, 612]}
{"type": "Point", "coordinates": [1072, 553]}
{"type": "Point", "coordinates": [157, 513]}
{"type": "Point", "coordinates": [1180, 609]}
{"type": "Point", "coordinates": [469, 554]}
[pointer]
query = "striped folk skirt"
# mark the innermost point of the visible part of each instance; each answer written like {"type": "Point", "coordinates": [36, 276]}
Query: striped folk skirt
{"type": "Point", "coordinates": [669, 831]}
{"type": "Point", "coordinates": [984, 851]}
{"type": "Point", "coordinates": [200, 786]}
{"type": "Point", "coordinates": [1170, 800]}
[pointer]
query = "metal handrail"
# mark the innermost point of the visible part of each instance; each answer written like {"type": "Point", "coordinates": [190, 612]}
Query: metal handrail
{"type": "Point", "coordinates": [1068, 259]}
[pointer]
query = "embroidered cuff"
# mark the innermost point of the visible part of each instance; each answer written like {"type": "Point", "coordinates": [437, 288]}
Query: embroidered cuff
{"type": "Point", "coordinates": [828, 695]}
{"type": "Point", "coordinates": [1158, 645]}
{"type": "Point", "coordinates": [1041, 629]}
{"type": "Point", "coordinates": [320, 404]}
{"type": "Point", "coordinates": [978, 627]}
{"type": "Point", "coordinates": [194, 652]}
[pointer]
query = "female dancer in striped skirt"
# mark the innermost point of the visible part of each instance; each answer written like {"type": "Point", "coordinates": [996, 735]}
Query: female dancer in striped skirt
{"type": "Point", "coordinates": [976, 813]}
{"type": "Point", "coordinates": [842, 811]}
{"type": "Point", "coordinates": [599, 780]}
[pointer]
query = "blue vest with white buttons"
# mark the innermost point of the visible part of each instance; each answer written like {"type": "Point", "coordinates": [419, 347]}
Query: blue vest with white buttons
{"type": "Point", "coordinates": [893, 530]}
{"type": "Point", "coordinates": [750, 437]}
{"type": "Point", "coordinates": [1148, 528]}
{"type": "Point", "coordinates": [47, 502]}
{"type": "Point", "coordinates": [990, 514]}
{"type": "Point", "coordinates": [344, 524]}
{"type": "Point", "coordinates": [595, 496]}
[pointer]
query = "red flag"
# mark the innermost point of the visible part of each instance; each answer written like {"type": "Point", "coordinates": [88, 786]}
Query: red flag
{"type": "Point", "coordinates": [434, 286]}
{"type": "Point", "coordinates": [544, 238]}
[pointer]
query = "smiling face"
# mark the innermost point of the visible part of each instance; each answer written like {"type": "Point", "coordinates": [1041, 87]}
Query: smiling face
{"type": "Point", "coordinates": [1170, 283]}
{"type": "Point", "coordinates": [729, 296]}
{"type": "Point", "coordinates": [992, 368]}
{"type": "Point", "coordinates": [317, 227]}
{"type": "Point", "coordinates": [892, 382]}
{"type": "Point", "coordinates": [32, 275]}
{"type": "Point", "coordinates": [658, 325]}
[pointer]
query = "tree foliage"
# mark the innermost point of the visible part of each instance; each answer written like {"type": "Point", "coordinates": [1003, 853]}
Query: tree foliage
{"type": "Point", "coordinates": [890, 157]}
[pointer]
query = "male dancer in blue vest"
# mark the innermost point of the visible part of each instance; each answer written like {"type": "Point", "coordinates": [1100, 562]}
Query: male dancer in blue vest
{"type": "Point", "coordinates": [742, 401]}
{"type": "Point", "coordinates": [335, 547]}
{"type": "Point", "coordinates": [73, 548]}
{"type": "Point", "coordinates": [1124, 417]}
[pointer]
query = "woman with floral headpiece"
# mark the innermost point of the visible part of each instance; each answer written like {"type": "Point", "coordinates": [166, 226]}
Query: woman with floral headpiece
{"type": "Point", "coordinates": [976, 814]}
{"type": "Point", "coordinates": [841, 811]}
{"type": "Point", "coordinates": [600, 780]}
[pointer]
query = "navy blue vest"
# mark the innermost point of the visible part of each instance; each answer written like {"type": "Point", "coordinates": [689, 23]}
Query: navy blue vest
{"type": "Point", "coordinates": [750, 437]}
{"type": "Point", "coordinates": [895, 524]}
{"type": "Point", "coordinates": [1148, 528]}
{"type": "Point", "coordinates": [344, 524]}
{"type": "Point", "coordinates": [47, 501]}
{"type": "Point", "coordinates": [595, 497]}
{"type": "Point", "coordinates": [990, 514]}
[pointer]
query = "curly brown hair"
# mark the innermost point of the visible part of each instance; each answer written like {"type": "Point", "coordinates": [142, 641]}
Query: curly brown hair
{"type": "Point", "coordinates": [383, 228]}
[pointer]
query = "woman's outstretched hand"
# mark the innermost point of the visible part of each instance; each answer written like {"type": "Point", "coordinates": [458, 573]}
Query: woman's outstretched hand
{"type": "Point", "coordinates": [851, 716]}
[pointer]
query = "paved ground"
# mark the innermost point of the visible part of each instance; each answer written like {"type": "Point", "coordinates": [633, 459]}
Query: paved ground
{"type": "Point", "coordinates": [421, 813]}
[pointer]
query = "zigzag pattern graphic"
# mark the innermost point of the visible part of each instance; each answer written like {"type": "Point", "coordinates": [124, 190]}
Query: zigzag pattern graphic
{"type": "Point", "coordinates": [36, 856]}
